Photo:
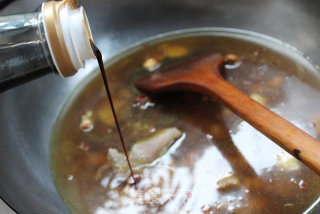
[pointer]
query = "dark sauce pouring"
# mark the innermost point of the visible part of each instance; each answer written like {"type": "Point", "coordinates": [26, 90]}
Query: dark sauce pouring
{"type": "Point", "coordinates": [98, 55]}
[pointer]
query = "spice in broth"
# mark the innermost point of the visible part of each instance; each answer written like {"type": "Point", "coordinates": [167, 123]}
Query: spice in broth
{"type": "Point", "coordinates": [193, 154]}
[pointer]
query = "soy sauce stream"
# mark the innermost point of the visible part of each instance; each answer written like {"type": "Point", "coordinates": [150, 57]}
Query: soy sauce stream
{"type": "Point", "coordinates": [98, 54]}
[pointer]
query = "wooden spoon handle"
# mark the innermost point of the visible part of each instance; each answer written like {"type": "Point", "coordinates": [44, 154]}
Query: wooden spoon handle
{"type": "Point", "coordinates": [292, 139]}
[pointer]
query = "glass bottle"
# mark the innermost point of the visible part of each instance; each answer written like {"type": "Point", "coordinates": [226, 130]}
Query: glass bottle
{"type": "Point", "coordinates": [55, 38]}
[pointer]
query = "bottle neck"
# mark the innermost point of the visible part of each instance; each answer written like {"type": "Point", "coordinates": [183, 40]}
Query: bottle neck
{"type": "Point", "coordinates": [53, 39]}
{"type": "Point", "coordinates": [24, 51]}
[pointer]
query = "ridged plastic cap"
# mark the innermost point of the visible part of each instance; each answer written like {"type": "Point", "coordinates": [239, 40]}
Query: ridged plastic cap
{"type": "Point", "coordinates": [68, 34]}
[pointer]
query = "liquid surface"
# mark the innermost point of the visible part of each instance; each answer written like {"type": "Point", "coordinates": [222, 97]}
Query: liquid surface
{"type": "Point", "coordinates": [219, 164]}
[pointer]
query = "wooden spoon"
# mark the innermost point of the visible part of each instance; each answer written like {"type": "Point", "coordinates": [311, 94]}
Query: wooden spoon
{"type": "Point", "coordinates": [202, 75]}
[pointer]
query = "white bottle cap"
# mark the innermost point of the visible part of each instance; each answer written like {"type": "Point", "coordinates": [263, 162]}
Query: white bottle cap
{"type": "Point", "coordinates": [68, 34]}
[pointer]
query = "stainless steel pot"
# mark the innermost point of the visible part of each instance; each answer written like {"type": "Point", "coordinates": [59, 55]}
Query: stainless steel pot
{"type": "Point", "coordinates": [27, 113]}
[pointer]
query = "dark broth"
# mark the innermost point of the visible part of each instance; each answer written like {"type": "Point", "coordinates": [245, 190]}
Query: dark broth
{"type": "Point", "coordinates": [215, 143]}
